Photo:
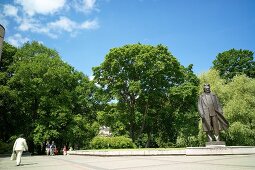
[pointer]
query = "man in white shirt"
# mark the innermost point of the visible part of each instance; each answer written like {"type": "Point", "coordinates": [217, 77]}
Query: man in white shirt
{"type": "Point", "coordinates": [19, 146]}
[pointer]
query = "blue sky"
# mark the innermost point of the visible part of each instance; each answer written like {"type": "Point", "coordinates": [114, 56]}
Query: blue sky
{"type": "Point", "coordinates": [83, 31]}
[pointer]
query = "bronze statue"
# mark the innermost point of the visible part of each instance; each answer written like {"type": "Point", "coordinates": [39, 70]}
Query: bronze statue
{"type": "Point", "coordinates": [211, 113]}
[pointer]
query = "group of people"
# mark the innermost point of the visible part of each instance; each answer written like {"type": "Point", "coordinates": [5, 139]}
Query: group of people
{"type": "Point", "coordinates": [51, 149]}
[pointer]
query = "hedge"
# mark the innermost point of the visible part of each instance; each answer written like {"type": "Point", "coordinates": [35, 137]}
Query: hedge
{"type": "Point", "coordinates": [100, 142]}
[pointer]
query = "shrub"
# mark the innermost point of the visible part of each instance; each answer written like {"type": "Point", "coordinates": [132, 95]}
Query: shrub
{"type": "Point", "coordinates": [189, 141]}
{"type": "Point", "coordinates": [118, 142]}
{"type": "Point", "coordinates": [5, 147]}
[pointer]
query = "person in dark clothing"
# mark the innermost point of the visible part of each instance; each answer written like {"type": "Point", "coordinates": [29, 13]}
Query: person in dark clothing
{"type": "Point", "coordinates": [52, 148]}
{"type": "Point", "coordinates": [47, 148]}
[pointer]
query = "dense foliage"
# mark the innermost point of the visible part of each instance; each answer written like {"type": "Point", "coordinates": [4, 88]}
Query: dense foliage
{"type": "Point", "coordinates": [141, 92]}
{"type": "Point", "coordinates": [7, 96]}
{"type": "Point", "coordinates": [235, 62]}
{"type": "Point", "coordinates": [100, 142]}
{"type": "Point", "coordinates": [238, 100]}
{"type": "Point", "coordinates": [154, 94]}
{"type": "Point", "coordinates": [45, 98]}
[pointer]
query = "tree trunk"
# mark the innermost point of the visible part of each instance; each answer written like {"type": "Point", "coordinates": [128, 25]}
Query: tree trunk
{"type": "Point", "coordinates": [132, 118]}
{"type": "Point", "coordinates": [144, 120]}
{"type": "Point", "coordinates": [148, 141]}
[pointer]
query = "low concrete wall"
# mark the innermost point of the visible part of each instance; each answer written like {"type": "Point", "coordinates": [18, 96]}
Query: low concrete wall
{"type": "Point", "coordinates": [128, 152]}
{"type": "Point", "coordinates": [189, 151]}
{"type": "Point", "coordinates": [228, 150]}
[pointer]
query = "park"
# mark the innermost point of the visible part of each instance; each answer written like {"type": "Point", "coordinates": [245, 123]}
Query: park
{"type": "Point", "coordinates": [142, 106]}
{"type": "Point", "coordinates": [52, 83]}
{"type": "Point", "coordinates": [147, 101]}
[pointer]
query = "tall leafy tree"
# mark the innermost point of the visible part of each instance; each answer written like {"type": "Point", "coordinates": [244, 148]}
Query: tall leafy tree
{"type": "Point", "coordinates": [239, 98]}
{"type": "Point", "coordinates": [7, 56]}
{"type": "Point", "coordinates": [7, 104]}
{"type": "Point", "coordinates": [82, 126]}
{"type": "Point", "coordinates": [50, 93]}
{"type": "Point", "coordinates": [235, 62]}
{"type": "Point", "coordinates": [140, 78]}
{"type": "Point", "coordinates": [30, 81]}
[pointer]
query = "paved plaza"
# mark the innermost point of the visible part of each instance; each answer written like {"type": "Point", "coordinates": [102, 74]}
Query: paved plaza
{"type": "Point", "coordinates": [75, 162]}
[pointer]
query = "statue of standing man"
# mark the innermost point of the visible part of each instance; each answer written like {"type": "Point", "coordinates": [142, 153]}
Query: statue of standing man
{"type": "Point", "coordinates": [211, 113]}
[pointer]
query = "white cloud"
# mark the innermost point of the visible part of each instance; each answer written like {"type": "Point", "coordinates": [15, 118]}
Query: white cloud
{"type": "Point", "coordinates": [55, 28]}
{"type": "Point", "coordinates": [10, 10]}
{"type": "Point", "coordinates": [89, 4]}
{"type": "Point", "coordinates": [32, 7]}
{"type": "Point", "coordinates": [90, 24]}
{"type": "Point", "coordinates": [66, 24]}
{"type": "Point", "coordinates": [17, 40]}
{"type": "Point", "coordinates": [35, 16]}
{"type": "Point", "coordinates": [63, 23]}
{"type": "Point", "coordinates": [30, 24]}
{"type": "Point", "coordinates": [27, 24]}
{"type": "Point", "coordinates": [85, 6]}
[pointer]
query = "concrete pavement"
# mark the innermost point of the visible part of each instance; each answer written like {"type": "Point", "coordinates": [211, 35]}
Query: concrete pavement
{"type": "Point", "coordinates": [75, 162]}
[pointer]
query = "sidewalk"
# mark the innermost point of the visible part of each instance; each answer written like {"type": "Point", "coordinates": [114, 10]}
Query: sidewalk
{"type": "Point", "coordinates": [75, 162]}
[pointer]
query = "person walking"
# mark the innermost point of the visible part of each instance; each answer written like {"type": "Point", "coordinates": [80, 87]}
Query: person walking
{"type": "Point", "coordinates": [64, 150]}
{"type": "Point", "coordinates": [19, 146]}
{"type": "Point", "coordinates": [47, 148]}
{"type": "Point", "coordinates": [52, 148]}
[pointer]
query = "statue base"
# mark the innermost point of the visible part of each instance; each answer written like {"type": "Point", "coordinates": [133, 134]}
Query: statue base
{"type": "Point", "coordinates": [214, 144]}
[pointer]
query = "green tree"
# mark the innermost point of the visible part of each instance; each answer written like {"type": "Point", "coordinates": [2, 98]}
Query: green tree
{"type": "Point", "coordinates": [83, 125]}
{"type": "Point", "coordinates": [140, 78]}
{"type": "Point", "coordinates": [50, 96]}
{"type": "Point", "coordinates": [239, 107]}
{"type": "Point", "coordinates": [237, 98]}
{"type": "Point", "coordinates": [7, 97]}
{"type": "Point", "coordinates": [213, 78]}
{"type": "Point", "coordinates": [35, 80]}
{"type": "Point", "coordinates": [113, 117]}
{"type": "Point", "coordinates": [235, 62]}
{"type": "Point", "coordinates": [7, 56]}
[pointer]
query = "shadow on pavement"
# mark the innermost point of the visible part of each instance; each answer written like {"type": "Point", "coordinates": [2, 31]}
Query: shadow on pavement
{"type": "Point", "coordinates": [28, 164]}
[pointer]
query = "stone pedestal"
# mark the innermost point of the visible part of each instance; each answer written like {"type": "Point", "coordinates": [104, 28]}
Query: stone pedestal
{"type": "Point", "coordinates": [220, 150]}
{"type": "Point", "coordinates": [214, 144]}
